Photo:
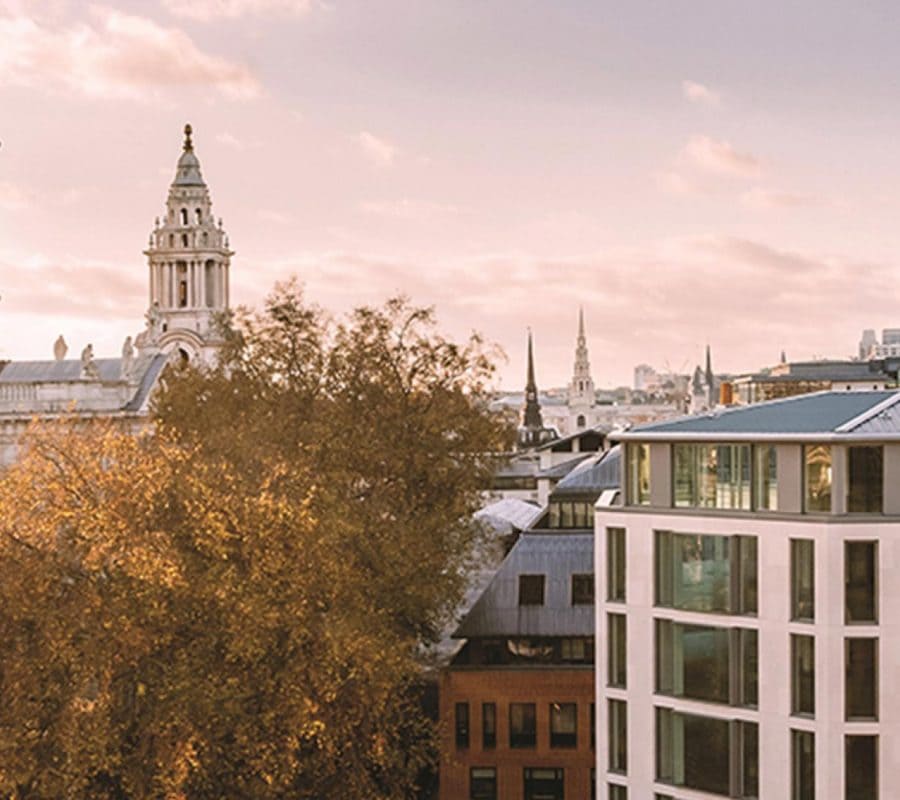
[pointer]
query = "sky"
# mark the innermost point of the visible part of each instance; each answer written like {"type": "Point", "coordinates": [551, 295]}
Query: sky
{"type": "Point", "coordinates": [688, 172]}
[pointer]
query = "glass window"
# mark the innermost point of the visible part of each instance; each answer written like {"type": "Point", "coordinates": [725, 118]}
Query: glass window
{"type": "Point", "coordinates": [861, 767]}
{"type": "Point", "coordinates": [617, 647]}
{"type": "Point", "coordinates": [544, 784]}
{"type": "Point", "coordinates": [803, 765]}
{"type": "Point", "coordinates": [638, 456]}
{"type": "Point", "coordinates": [483, 783]}
{"type": "Point", "coordinates": [618, 792]}
{"type": "Point", "coordinates": [803, 675]}
{"type": "Point", "coordinates": [860, 576]}
{"type": "Point", "coordinates": [700, 662]}
{"type": "Point", "coordinates": [615, 564]}
{"type": "Point", "coordinates": [563, 725]}
{"type": "Point", "coordinates": [766, 477]}
{"type": "Point", "coordinates": [818, 477]}
{"type": "Point", "coordinates": [865, 479]}
{"type": "Point", "coordinates": [711, 476]}
{"type": "Point", "coordinates": [488, 725]}
{"type": "Point", "coordinates": [715, 574]}
{"type": "Point", "coordinates": [582, 589]}
{"type": "Point", "coordinates": [578, 649]}
{"type": "Point", "coordinates": [566, 517]}
{"type": "Point", "coordinates": [618, 736]}
{"type": "Point", "coordinates": [861, 673]}
{"type": "Point", "coordinates": [803, 581]}
{"type": "Point", "coordinates": [522, 725]}
{"type": "Point", "coordinates": [531, 590]}
{"type": "Point", "coordinates": [710, 755]}
{"type": "Point", "coordinates": [462, 724]}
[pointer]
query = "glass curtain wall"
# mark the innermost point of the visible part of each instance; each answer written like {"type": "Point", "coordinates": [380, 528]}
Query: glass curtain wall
{"type": "Point", "coordinates": [865, 479]}
{"type": "Point", "coordinates": [765, 486]}
{"type": "Point", "coordinates": [712, 476]}
{"type": "Point", "coordinates": [817, 473]}
{"type": "Point", "coordinates": [638, 460]}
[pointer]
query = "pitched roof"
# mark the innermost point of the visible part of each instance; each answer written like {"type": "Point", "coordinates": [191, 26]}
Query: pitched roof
{"type": "Point", "coordinates": [556, 556]}
{"type": "Point", "coordinates": [592, 476]}
{"type": "Point", "coordinates": [821, 415]}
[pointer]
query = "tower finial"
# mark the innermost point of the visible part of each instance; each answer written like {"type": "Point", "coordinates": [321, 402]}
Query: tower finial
{"type": "Point", "coordinates": [188, 144]}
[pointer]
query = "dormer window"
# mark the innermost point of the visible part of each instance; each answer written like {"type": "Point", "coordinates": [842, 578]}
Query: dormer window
{"type": "Point", "coordinates": [531, 590]}
{"type": "Point", "coordinates": [184, 216]}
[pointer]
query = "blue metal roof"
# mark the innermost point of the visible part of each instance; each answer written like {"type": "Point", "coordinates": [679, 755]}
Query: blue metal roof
{"type": "Point", "coordinates": [591, 477]}
{"type": "Point", "coordinates": [818, 413]}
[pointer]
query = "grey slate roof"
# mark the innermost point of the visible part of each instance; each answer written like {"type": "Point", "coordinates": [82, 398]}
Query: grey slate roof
{"type": "Point", "coordinates": [110, 369]}
{"type": "Point", "coordinates": [828, 371]}
{"type": "Point", "coordinates": [564, 467]}
{"type": "Point", "coordinates": [592, 476]}
{"type": "Point", "coordinates": [509, 513]}
{"type": "Point", "coordinates": [148, 381]}
{"type": "Point", "coordinates": [823, 414]}
{"type": "Point", "coordinates": [555, 555]}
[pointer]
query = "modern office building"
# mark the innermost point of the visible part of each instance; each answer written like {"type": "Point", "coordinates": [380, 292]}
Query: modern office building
{"type": "Point", "coordinates": [747, 585]}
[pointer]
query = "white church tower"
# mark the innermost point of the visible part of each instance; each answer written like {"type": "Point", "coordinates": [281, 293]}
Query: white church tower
{"type": "Point", "coordinates": [582, 397]}
{"type": "Point", "coordinates": [189, 262]}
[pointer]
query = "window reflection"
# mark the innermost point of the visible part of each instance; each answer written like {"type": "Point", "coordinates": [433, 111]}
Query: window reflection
{"type": "Point", "coordinates": [818, 477]}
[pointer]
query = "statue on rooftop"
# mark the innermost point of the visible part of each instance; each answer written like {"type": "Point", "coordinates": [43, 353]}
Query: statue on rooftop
{"type": "Point", "coordinates": [60, 348]}
{"type": "Point", "coordinates": [127, 358]}
{"type": "Point", "coordinates": [88, 367]}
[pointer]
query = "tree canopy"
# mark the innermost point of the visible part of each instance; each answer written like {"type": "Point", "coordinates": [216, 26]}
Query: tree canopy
{"type": "Point", "coordinates": [235, 602]}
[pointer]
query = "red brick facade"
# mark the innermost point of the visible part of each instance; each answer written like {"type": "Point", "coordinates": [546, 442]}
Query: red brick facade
{"type": "Point", "coordinates": [502, 686]}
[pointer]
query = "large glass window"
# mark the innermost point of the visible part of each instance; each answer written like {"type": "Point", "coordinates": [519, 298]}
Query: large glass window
{"type": "Point", "coordinates": [865, 479]}
{"type": "Point", "coordinates": [563, 725]}
{"type": "Point", "coordinates": [618, 736]}
{"type": "Point", "coordinates": [803, 765]}
{"type": "Point", "coordinates": [714, 574]}
{"type": "Point", "coordinates": [765, 486]}
{"type": "Point", "coordinates": [803, 582]}
{"type": "Point", "coordinates": [701, 662]}
{"type": "Point", "coordinates": [706, 754]}
{"type": "Point", "coordinates": [711, 476]}
{"type": "Point", "coordinates": [803, 675]}
{"type": "Point", "coordinates": [618, 792]}
{"type": "Point", "coordinates": [570, 514]}
{"type": "Point", "coordinates": [617, 647]}
{"type": "Point", "coordinates": [488, 725]}
{"type": "Point", "coordinates": [861, 678]}
{"type": "Point", "coordinates": [817, 461]}
{"type": "Point", "coordinates": [860, 581]}
{"type": "Point", "coordinates": [861, 767]}
{"type": "Point", "coordinates": [638, 459]}
{"type": "Point", "coordinates": [615, 564]}
{"type": "Point", "coordinates": [522, 725]}
{"type": "Point", "coordinates": [462, 724]}
{"type": "Point", "coordinates": [483, 783]}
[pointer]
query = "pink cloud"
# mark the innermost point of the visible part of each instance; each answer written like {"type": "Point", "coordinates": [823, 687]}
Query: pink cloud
{"type": "Point", "coordinates": [717, 155]}
{"type": "Point", "coordinates": [758, 197]}
{"type": "Point", "coordinates": [206, 10]}
{"type": "Point", "coordinates": [114, 55]}
{"type": "Point", "coordinates": [379, 151]}
{"type": "Point", "coordinates": [700, 94]}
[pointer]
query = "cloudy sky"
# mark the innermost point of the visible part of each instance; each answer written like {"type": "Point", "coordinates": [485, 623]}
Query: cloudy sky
{"type": "Point", "coordinates": [688, 172]}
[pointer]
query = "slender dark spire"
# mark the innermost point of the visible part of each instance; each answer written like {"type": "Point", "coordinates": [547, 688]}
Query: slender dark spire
{"type": "Point", "coordinates": [532, 418]}
{"type": "Point", "coordinates": [710, 379]}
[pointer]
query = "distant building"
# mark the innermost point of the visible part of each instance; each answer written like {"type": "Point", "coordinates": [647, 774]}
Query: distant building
{"type": "Point", "coordinates": [803, 377]}
{"type": "Point", "coordinates": [755, 557]}
{"type": "Point", "coordinates": [517, 701]}
{"type": "Point", "coordinates": [646, 379]}
{"type": "Point", "coordinates": [188, 281]}
{"type": "Point", "coordinates": [888, 347]}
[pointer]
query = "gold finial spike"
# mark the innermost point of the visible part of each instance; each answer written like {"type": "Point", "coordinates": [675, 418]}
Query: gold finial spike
{"type": "Point", "coordinates": [188, 144]}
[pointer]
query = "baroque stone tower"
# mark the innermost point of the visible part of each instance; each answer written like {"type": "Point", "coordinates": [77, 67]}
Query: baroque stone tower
{"type": "Point", "coordinates": [189, 261]}
{"type": "Point", "coordinates": [582, 397]}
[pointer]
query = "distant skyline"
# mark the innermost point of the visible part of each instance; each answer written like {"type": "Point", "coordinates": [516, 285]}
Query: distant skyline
{"type": "Point", "coordinates": [689, 173]}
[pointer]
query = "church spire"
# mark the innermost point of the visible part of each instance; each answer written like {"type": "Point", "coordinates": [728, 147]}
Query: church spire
{"type": "Point", "coordinates": [581, 387]}
{"type": "Point", "coordinates": [710, 379]}
{"type": "Point", "coordinates": [532, 417]}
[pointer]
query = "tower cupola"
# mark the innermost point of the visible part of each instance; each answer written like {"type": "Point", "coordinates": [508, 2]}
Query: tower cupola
{"type": "Point", "coordinates": [189, 263]}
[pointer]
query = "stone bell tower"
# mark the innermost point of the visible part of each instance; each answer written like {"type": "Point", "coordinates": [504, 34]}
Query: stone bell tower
{"type": "Point", "coordinates": [189, 262]}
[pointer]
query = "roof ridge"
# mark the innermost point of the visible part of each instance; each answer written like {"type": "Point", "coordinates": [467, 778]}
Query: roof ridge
{"type": "Point", "coordinates": [869, 413]}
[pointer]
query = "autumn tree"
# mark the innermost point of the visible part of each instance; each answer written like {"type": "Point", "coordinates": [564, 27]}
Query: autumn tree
{"type": "Point", "coordinates": [236, 603]}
